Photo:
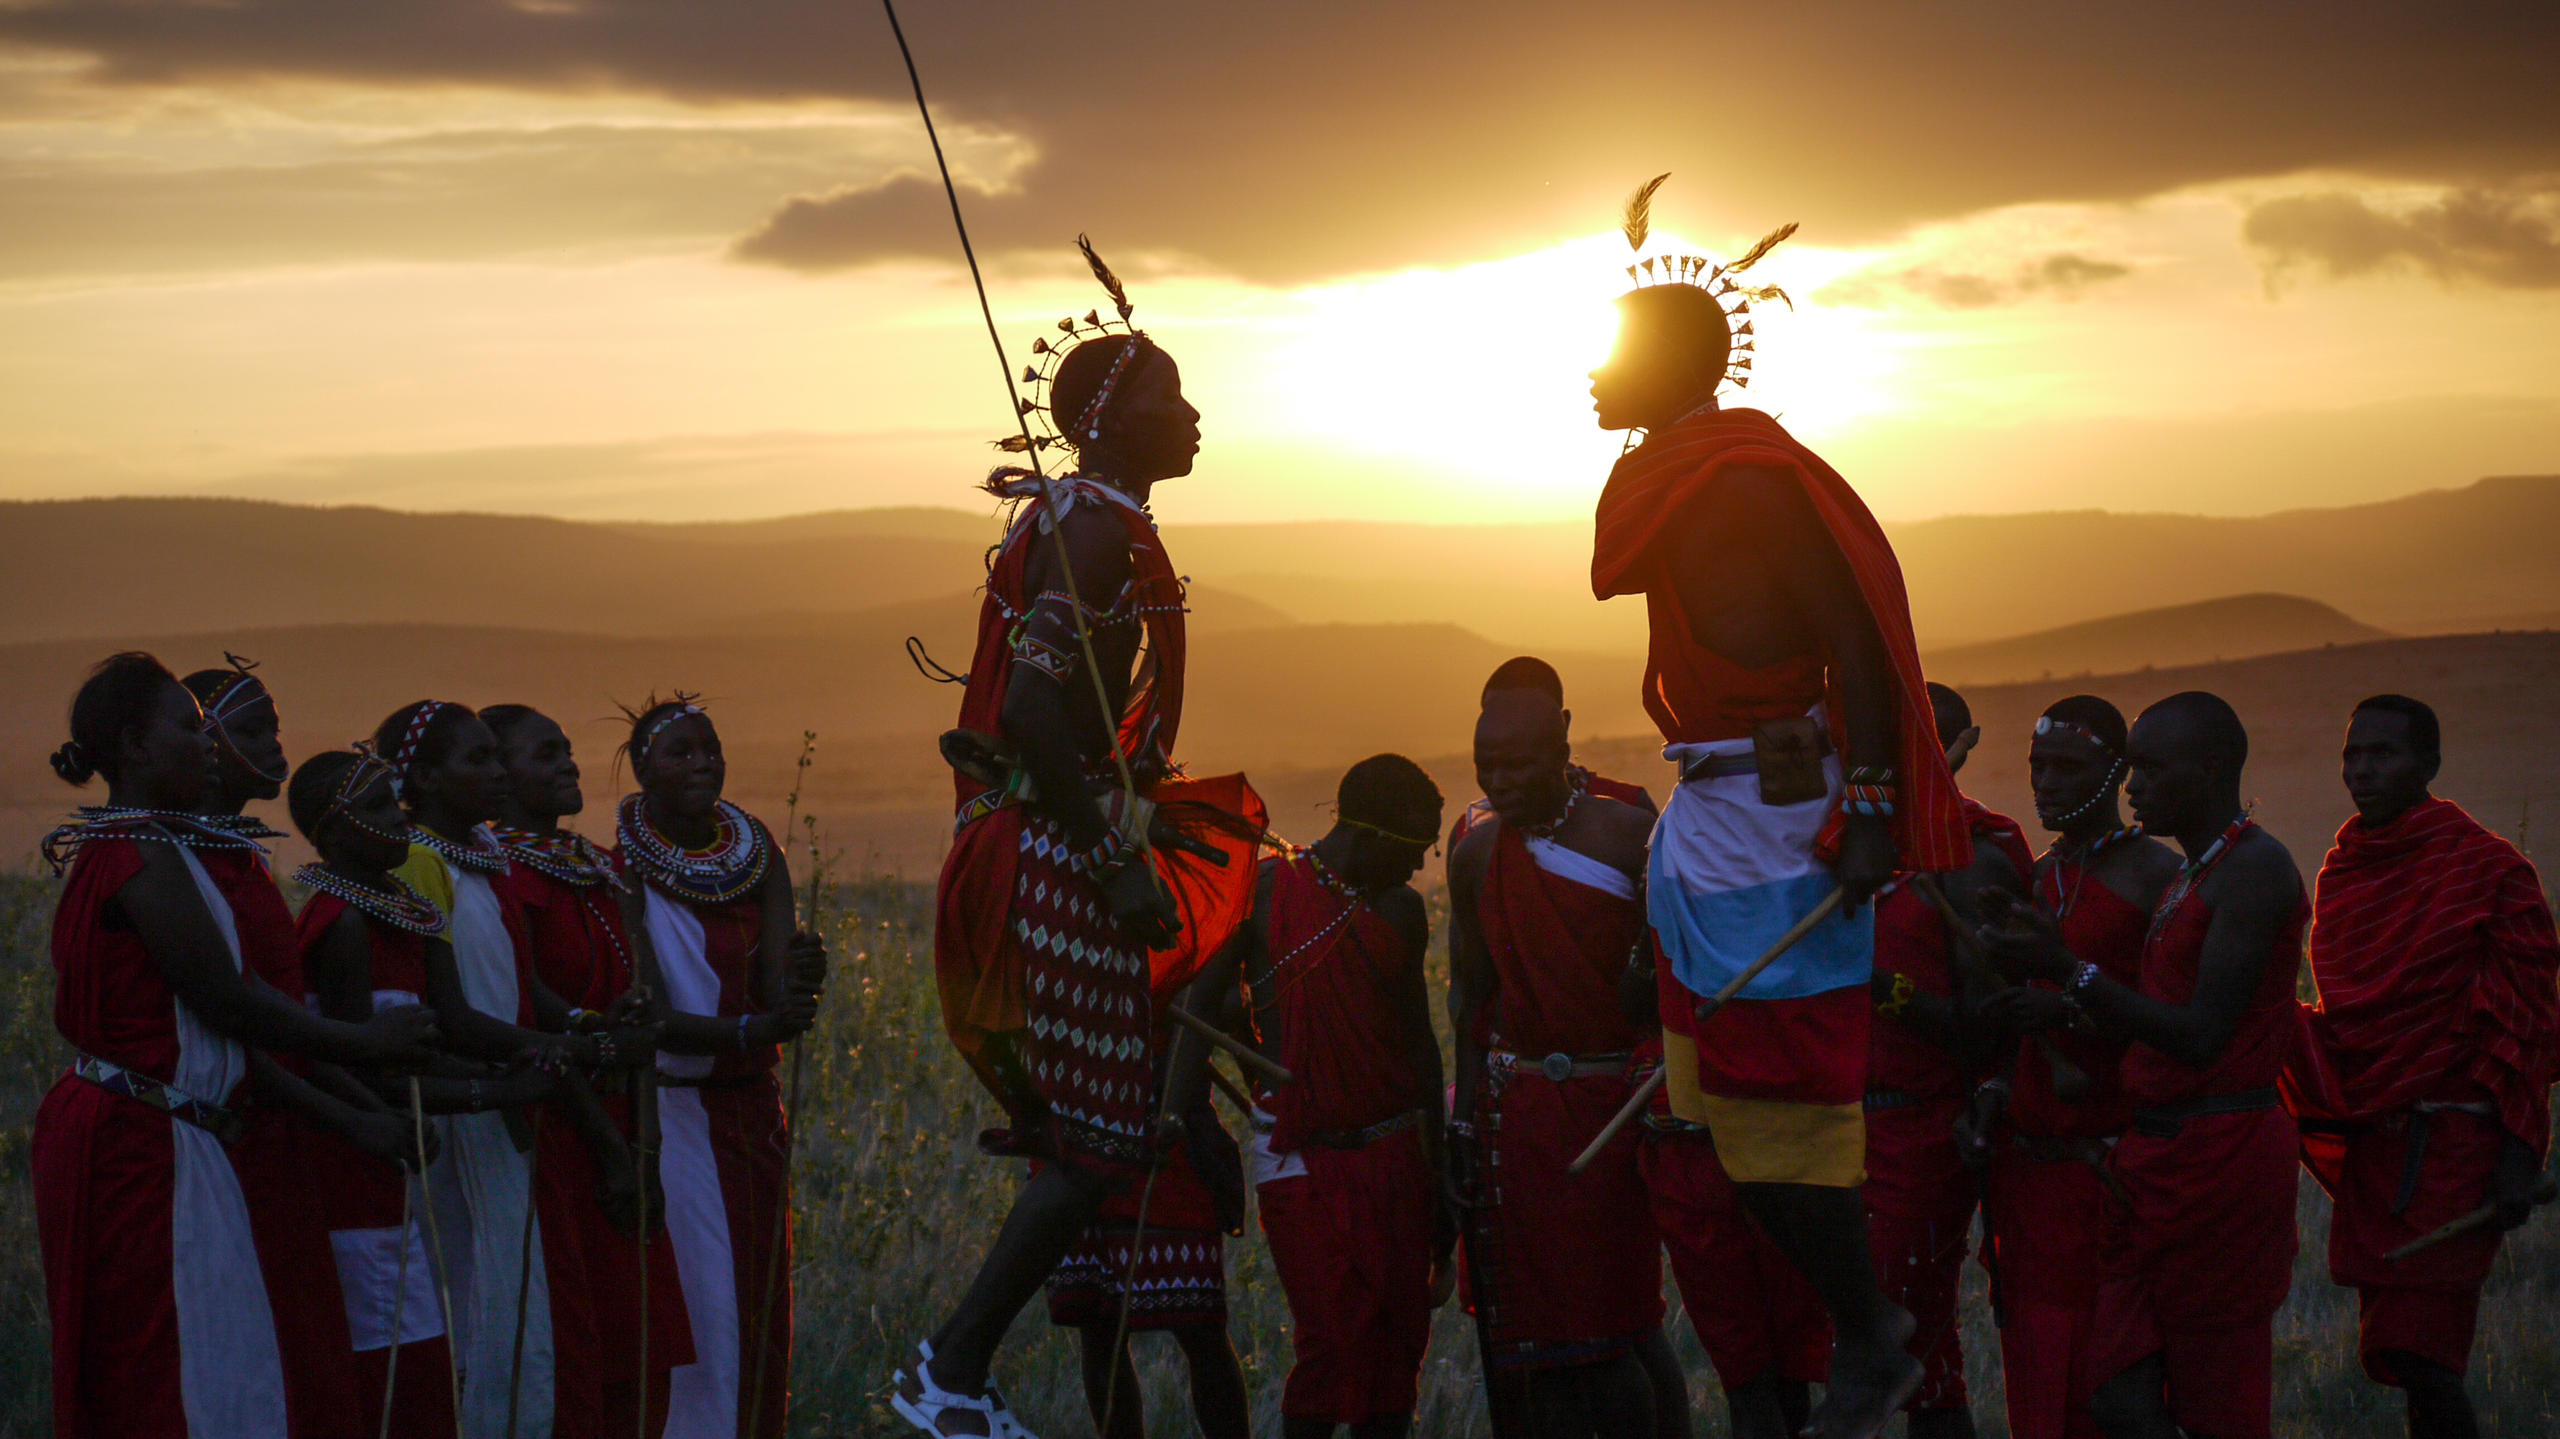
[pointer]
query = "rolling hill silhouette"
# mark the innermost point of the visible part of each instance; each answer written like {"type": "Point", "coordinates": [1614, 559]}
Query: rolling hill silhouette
{"type": "Point", "coordinates": [2232, 628]}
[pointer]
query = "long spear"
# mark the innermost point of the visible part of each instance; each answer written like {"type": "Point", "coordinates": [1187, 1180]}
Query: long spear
{"type": "Point", "coordinates": [791, 1114]}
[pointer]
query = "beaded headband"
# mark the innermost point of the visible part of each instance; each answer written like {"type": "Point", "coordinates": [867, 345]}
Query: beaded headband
{"type": "Point", "coordinates": [1391, 834]}
{"type": "Point", "coordinates": [406, 751]}
{"type": "Point", "coordinates": [236, 690]}
{"type": "Point", "coordinates": [1042, 373]}
{"type": "Point", "coordinates": [2047, 724]}
{"type": "Point", "coordinates": [648, 737]}
{"type": "Point", "coordinates": [1698, 272]}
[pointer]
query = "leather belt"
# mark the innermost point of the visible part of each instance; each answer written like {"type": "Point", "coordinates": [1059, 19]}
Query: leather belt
{"type": "Point", "coordinates": [2053, 1150]}
{"type": "Point", "coordinates": [707, 1081]}
{"type": "Point", "coordinates": [1892, 1099]}
{"type": "Point", "coordinates": [213, 1119]}
{"type": "Point", "coordinates": [1741, 761]}
{"type": "Point", "coordinates": [1560, 1067]}
{"type": "Point", "coordinates": [1363, 1138]}
{"type": "Point", "coordinates": [2164, 1121]}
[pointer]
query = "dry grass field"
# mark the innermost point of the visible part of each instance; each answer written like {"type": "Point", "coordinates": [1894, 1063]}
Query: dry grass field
{"type": "Point", "coordinates": [894, 1202]}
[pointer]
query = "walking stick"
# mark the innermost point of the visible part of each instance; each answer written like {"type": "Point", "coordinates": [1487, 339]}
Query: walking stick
{"type": "Point", "coordinates": [644, 1164]}
{"type": "Point", "coordinates": [435, 1242]}
{"type": "Point", "coordinates": [399, 1299]}
{"type": "Point", "coordinates": [1246, 1055]}
{"type": "Point", "coordinates": [2544, 1191]}
{"type": "Point", "coordinates": [524, 1274]}
{"type": "Point", "coordinates": [1705, 1011]}
{"type": "Point", "coordinates": [790, 1141]}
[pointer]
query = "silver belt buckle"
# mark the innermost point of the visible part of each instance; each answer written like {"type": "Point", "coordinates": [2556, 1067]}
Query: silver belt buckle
{"type": "Point", "coordinates": [1557, 1067]}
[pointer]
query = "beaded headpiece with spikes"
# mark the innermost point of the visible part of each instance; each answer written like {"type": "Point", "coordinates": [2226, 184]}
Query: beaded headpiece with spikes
{"type": "Point", "coordinates": [1047, 427]}
{"type": "Point", "coordinates": [1699, 272]}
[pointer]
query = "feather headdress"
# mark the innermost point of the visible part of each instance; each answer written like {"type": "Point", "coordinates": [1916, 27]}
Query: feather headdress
{"type": "Point", "coordinates": [1700, 273]}
{"type": "Point", "coordinates": [1047, 429]}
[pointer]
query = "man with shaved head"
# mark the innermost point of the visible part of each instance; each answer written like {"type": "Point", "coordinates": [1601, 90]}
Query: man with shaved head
{"type": "Point", "coordinates": [1544, 910]}
{"type": "Point", "coordinates": [2423, 1084]}
{"type": "Point", "coordinates": [2200, 1243]}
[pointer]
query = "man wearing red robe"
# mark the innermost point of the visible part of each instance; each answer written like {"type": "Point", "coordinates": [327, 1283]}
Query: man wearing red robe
{"type": "Point", "coordinates": [1785, 680]}
{"type": "Point", "coordinates": [2423, 1082]}
{"type": "Point", "coordinates": [1923, 1048]}
{"type": "Point", "coordinates": [1328, 974]}
{"type": "Point", "coordinates": [2044, 1126]}
{"type": "Point", "coordinates": [1566, 1275]}
{"type": "Point", "coordinates": [2200, 1239]}
{"type": "Point", "coordinates": [1080, 890]}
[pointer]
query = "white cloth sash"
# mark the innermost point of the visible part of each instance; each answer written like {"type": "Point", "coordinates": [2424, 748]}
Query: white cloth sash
{"type": "Point", "coordinates": [1581, 868]}
{"type": "Point", "coordinates": [230, 1371]}
{"type": "Point", "coordinates": [703, 1396]}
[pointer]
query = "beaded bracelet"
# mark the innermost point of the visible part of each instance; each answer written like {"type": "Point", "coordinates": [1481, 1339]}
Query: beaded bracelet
{"type": "Point", "coordinates": [1900, 994]}
{"type": "Point", "coordinates": [1108, 857]}
{"type": "Point", "coordinates": [1867, 799]}
{"type": "Point", "coordinates": [1875, 774]}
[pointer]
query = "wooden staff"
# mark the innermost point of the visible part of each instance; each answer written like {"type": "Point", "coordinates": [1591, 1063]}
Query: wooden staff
{"type": "Point", "coordinates": [1246, 1055]}
{"type": "Point", "coordinates": [2544, 1191]}
{"type": "Point", "coordinates": [790, 1130]}
{"type": "Point", "coordinates": [524, 1274]}
{"type": "Point", "coordinates": [1705, 1011]}
{"type": "Point", "coordinates": [1234, 1093]}
{"type": "Point", "coordinates": [400, 1292]}
{"type": "Point", "coordinates": [435, 1237]}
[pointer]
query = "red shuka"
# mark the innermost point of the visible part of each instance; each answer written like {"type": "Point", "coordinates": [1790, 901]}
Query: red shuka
{"type": "Point", "coordinates": [1911, 940]}
{"type": "Point", "coordinates": [1335, 960]}
{"type": "Point", "coordinates": [978, 961]}
{"type": "Point", "coordinates": [2433, 948]}
{"type": "Point", "coordinates": [275, 1158]}
{"type": "Point", "coordinates": [581, 953]}
{"type": "Point", "coordinates": [1694, 694]}
{"type": "Point", "coordinates": [2200, 1245]}
{"type": "Point", "coordinates": [1566, 1268]}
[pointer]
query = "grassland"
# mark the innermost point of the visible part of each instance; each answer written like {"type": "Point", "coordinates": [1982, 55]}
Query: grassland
{"type": "Point", "coordinates": [895, 1202]}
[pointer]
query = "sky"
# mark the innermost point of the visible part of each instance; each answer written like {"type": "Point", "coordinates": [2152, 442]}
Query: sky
{"type": "Point", "coordinates": [644, 259]}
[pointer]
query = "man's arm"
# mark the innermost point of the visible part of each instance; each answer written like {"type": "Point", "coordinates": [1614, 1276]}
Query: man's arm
{"type": "Point", "coordinates": [1039, 707]}
{"type": "Point", "coordinates": [1403, 908]}
{"type": "Point", "coordinates": [2253, 893]}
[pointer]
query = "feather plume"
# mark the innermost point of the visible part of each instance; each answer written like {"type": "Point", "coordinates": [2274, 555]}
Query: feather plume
{"type": "Point", "coordinates": [1767, 243]}
{"type": "Point", "coordinates": [1110, 282]}
{"type": "Point", "coordinates": [1766, 293]}
{"type": "Point", "coordinates": [1639, 221]}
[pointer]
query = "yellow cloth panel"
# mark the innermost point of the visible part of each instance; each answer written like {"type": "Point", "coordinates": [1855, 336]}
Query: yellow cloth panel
{"type": "Point", "coordinates": [1778, 1141]}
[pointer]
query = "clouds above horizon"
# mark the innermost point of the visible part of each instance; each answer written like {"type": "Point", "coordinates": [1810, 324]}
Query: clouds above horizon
{"type": "Point", "coordinates": [2507, 238]}
{"type": "Point", "coordinates": [1288, 144]}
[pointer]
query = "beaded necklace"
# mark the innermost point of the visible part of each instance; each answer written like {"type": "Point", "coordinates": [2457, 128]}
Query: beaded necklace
{"type": "Point", "coordinates": [563, 855]}
{"type": "Point", "coordinates": [2086, 860]}
{"type": "Point", "coordinates": [2193, 872]}
{"type": "Point", "coordinates": [400, 906]}
{"type": "Point", "coordinates": [731, 865]}
{"type": "Point", "coordinates": [247, 826]}
{"type": "Point", "coordinates": [1352, 904]}
{"type": "Point", "coordinates": [93, 822]}
{"type": "Point", "coordinates": [483, 854]}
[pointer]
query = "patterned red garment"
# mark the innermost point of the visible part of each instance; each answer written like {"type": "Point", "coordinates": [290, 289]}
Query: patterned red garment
{"type": "Point", "coordinates": [1180, 1277]}
{"type": "Point", "coordinates": [1686, 686]}
{"type": "Point", "coordinates": [1566, 1267]}
{"type": "Point", "coordinates": [980, 962]}
{"type": "Point", "coordinates": [2433, 949]}
{"type": "Point", "coordinates": [1334, 961]}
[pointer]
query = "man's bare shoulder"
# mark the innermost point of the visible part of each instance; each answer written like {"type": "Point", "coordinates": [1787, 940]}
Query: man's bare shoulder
{"type": "Point", "coordinates": [1402, 907]}
{"type": "Point", "coordinates": [1618, 834]}
{"type": "Point", "coordinates": [1097, 544]}
{"type": "Point", "coordinates": [2259, 871]}
{"type": "Point", "coordinates": [1473, 855]}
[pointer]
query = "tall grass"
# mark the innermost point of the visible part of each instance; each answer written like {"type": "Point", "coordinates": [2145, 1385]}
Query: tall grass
{"type": "Point", "coordinates": [895, 1205]}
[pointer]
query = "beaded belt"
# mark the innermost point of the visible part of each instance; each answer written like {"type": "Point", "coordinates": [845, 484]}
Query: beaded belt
{"type": "Point", "coordinates": [170, 1100]}
{"type": "Point", "coordinates": [1559, 1067]}
{"type": "Point", "coordinates": [1363, 1138]}
{"type": "Point", "coordinates": [2165, 1121]}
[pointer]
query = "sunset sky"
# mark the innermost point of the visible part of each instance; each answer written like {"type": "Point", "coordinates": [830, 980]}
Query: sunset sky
{"type": "Point", "coordinates": [659, 260]}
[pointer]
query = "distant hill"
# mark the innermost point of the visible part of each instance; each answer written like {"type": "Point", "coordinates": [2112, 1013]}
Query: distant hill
{"type": "Point", "coordinates": [2471, 558]}
{"type": "Point", "coordinates": [2233, 628]}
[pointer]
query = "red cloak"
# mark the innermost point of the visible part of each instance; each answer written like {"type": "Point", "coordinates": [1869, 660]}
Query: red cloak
{"type": "Point", "coordinates": [1684, 684]}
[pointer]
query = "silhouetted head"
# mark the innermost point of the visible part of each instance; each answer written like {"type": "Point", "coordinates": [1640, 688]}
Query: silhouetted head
{"type": "Point", "coordinates": [676, 758]}
{"type": "Point", "coordinates": [133, 723]}
{"type": "Point", "coordinates": [1523, 743]}
{"type": "Point", "coordinates": [1392, 810]}
{"type": "Point", "coordinates": [1143, 430]}
{"type": "Point", "coordinates": [444, 763]}
{"type": "Point", "coordinates": [241, 716]}
{"type": "Point", "coordinates": [542, 775]}
{"type": "Point", "coordinates": [1673, 344]}
{"type": "Point", "coordinates": [2076, 762]}
{"type": "Point", "coordinates": [1953, 718]}
{"type": "Point", "coordinates": [2394, 749]}
{"type": "Point", "coordinates": [342, 802]}
{"type": "Point", "coordinates": [2183, 763]}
